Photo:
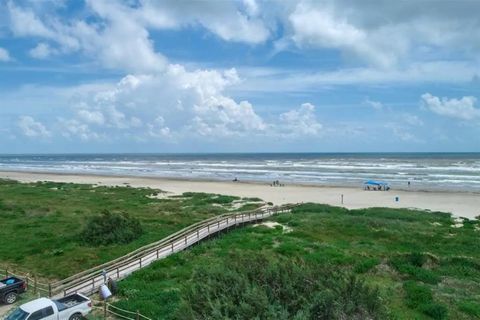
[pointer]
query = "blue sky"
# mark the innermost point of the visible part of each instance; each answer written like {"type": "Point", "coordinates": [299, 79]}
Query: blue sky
{"type": "Point", "coordinates": [239, 76]}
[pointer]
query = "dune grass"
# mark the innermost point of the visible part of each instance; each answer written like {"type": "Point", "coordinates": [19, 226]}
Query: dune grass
{"type": "Point", "coordinates": [40, 223]}
{"type": "Point", "coordinates": [417, 265]}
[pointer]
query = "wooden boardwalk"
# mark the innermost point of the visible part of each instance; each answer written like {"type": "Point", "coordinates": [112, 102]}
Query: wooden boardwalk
{"type": "Point", "coordinates": [89, 281]}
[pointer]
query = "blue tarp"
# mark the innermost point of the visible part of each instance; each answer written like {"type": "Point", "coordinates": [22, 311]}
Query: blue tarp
{"type": "Point", "coordinates": [375, 183]}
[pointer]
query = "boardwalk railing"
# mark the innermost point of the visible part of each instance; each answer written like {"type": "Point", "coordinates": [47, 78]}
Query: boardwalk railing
{"type": "Point", "coordinates": [89, 281]}
{"type": "Point", "coordinates": [110, 311]}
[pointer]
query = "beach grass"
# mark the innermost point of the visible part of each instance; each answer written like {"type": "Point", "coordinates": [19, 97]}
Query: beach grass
{"type": "Point", "coordinates": [419, 265]}
{"type": "Point", "coordinates": [41, 222]}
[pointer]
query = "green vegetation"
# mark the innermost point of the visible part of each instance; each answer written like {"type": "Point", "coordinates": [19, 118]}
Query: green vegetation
{"type": "Point", "coordinates": [111, 228]}
{"type": "Point", "coordinates": [41, 222]}
{"type": "Point", "coordinates": [264, 287]}
{"type": "Point", "coordinates": [333, 264]}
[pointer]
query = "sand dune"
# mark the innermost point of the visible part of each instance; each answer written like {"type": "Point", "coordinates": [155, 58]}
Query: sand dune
{"type": "Point", "coordinates": [462, 204]}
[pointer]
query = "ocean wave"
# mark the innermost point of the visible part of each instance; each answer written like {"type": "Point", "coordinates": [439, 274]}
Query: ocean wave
{"type": "Point", "coordinates": [436, 172]}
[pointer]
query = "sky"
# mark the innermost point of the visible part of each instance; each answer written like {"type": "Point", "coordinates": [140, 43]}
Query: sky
{"type": "Point", "coordinates": [150, 76]}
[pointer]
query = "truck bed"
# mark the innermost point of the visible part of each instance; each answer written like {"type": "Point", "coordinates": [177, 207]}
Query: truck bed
{"type": "Point", "coordinates": [69, 302]}
{"type": "Point", "coordinates": [4, 285]}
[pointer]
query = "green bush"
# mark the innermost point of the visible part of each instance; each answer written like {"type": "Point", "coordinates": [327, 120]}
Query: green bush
{"type": "Point", "coordinates": [416, 259]}
{"type": "Point", "coordinates": [436, 311]}
{"type": "Point", "coordinates": [366, 265]}
{"type": "Point", "coordinates": [420, 297]}
{"type": "Point", "coordinates": [417, 295]}
{"type": "Point", "coordinates": [470, 307]}
{"type": "Point", "coordinates": [411, 265]}
{"type": "Point", "coordinates": [201, 199]}
{"type": "Point", "coordinates": [263, 287]}
{"type": "Point", "coordinates": [111, 228]}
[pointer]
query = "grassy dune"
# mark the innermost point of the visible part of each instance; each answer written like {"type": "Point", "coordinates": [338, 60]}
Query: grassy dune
{"type": "Point", "coordinates": [40, 223]}
{"type": "Point", "coordinates": [321, 263]}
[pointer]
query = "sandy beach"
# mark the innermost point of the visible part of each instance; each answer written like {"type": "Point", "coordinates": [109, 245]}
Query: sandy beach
{"type": "Point", "coordinates": [461, 204]}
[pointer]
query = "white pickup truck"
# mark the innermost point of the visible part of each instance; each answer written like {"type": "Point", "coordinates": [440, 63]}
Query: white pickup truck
{"type": "Point", "coordinates": [72, 307]}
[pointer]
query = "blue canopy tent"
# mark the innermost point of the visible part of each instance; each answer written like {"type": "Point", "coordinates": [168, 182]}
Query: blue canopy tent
{"type": "Point", "coordinates": [376, 185]}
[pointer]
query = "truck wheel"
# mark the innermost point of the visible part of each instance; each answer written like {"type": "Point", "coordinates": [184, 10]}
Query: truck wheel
{"type": "Point", "coordinates": [10, 297]}
{"type": "Point", "coordinates": [76, 316]}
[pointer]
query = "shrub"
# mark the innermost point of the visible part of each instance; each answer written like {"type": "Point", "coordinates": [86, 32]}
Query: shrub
{"type": "Point", "coordinates": [263, 287]}
{"type": "Point", "coordinates": [201, 199]}
{"type": "Point", "coordinates": [435, 310]}
{"type": "Point", "coordinates": [470, 307]}
{"type": "Point", "coordinates": [409, 265]}
{"type": "Point", "coordinates": [420, 297]}
{"type": "Point", "coordinates": [416, 259]}
{"type": "Point", "coordinates": [417, 295]}
{"type": "Point", "coordinates": [111, 228]}
{"type": "Point", "coordinates": [366, 265]}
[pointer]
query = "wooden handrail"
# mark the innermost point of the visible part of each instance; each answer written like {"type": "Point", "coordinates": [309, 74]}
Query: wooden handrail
{"type": "Point", "coordinates": [133, 257]}
{"type": "Point", "coordinates": [153, 244]}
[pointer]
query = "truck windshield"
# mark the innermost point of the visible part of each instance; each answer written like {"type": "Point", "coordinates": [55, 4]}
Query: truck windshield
{"type": "Point", "coordinates": [18, 314]}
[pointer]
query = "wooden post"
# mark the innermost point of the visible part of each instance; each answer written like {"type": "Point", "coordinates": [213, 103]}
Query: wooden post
{"type": "Point", "coordinates": [6, 273]}
{"type": "Point", "coordinates": [49, 290]}
{"type": "Point", "coordinates": [104, 309]}
{"type": "Point", "coordinates": [138, 316]}
{"type": "Point", "coordinates": [198, 235]}
{"type": "Point", "coordinates": [157, 253]}
{"type": "Point", "coordinates": [208, 228]}
{"type": "Point", "coordinates": [185, 240]}
{"type": "Point", "coordinates": [140, 262]}
{"type": "Point", "coordinates": [35, 284]}
{"type": "Point", "coordinates": [118, 273]}
{"type": "Point", "coordinates": [172, 246]}
{"type": "Point", "coordinates": [218, 227]}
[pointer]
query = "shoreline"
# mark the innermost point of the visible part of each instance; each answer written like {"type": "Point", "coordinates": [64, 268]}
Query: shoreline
{"type": "Point", "coordinates": [460, 204]}
{"type": "Point", "coordinates": [212, 180]}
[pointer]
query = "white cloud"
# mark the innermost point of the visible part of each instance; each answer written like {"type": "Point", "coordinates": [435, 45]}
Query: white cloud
{"type": "Point", "coordinates": [377, 105]}
{"type": "Point", "coordinates": [384, 34]}
{"type": "Point", "coordinates": [42, 51]}
{"type": "Point", "coordinates": [173, 106]}
{"type": "Point", "coordinates": [24, 22]}
{"type": "Point", "coordinates": [412, 119]}
{"type": "Point", "coordinates": [72, 128]}
{"type": "Point", "coordinates": [380, 34]}
{"type": "Point", "coordinates": [176, 103]}
{"type": "Point", "coordinates": [119, 42]}
{"type": "Point", "coordinates": [121, 39]}
{"type": "Point", "coordinates": [318, 26]}
{"type": "Point", "coordinates": [4, 55]}
{"type": "Point", "coordinates": [404, 134]}
{"type": "Point", "coordinates": [251, 7]}
{"type": "Point", "coordinates": [157, 128]}
{"type": "Point", "coordinates": [32, 128]}
{"type": "Point", "coordinates": [95, 117]}
{"type": "Point", "coordinates": [222, 18]}
{"type": "Point", "coordinates": [278, 80]}
{"type": "Point", "coordinates": [377, 32]}
{"type": "Point", "coordinates": [301, 121]}
{"type": "Point", "coordinates": [463, 108]}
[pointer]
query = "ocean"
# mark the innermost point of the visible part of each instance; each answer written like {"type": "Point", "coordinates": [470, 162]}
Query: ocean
{"type": "Point", "coordinates": [425, 171]}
